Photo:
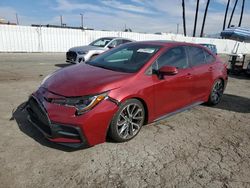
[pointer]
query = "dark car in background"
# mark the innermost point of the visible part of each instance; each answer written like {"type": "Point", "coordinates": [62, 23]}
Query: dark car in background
{"type": "Point", "coordinates": [211, 47]}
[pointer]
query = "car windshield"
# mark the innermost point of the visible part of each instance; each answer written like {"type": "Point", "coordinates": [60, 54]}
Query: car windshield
{"type": "Point", "coordinates": [102, 42]}
{"type": "Point", "coordinates": [127, 58]}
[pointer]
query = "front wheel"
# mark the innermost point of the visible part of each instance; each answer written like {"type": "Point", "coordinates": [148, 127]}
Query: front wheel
{"type": "Point", "coordinates": [127, 121]}
{"type": "Point", "coordinates": [216, 93]}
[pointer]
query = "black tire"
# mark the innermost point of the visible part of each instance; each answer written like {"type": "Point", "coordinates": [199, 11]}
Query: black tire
{"type": "Point", "coordinates": [216, 93]}
{"type": "Point", "coordinates": [248, 70]}
{"type": "Point", "coordinates": [127, 121]}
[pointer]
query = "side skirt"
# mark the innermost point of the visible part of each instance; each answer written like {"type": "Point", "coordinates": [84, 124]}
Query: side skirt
{"type": "Point", "coordinates": [178, 111]}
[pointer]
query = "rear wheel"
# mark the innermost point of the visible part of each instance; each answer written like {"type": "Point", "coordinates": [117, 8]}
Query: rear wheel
{"type": "Point", "coordinates": [248, 69]}
{"type": "Point", "coordinates": [128, 121]}
{"type": "Point", "coordinates": [216, 92]}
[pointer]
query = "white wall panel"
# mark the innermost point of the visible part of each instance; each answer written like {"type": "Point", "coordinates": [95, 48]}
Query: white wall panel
{"type": "Point", "coordinates": [42, 39]}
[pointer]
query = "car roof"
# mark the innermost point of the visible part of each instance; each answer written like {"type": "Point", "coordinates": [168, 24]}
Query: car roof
{"type": "Point", "coordinates": [168, 43]}
{"type": "Point", "coordinates": [112, 38]}
{"type": "Point", "coordinates": [207, 44]}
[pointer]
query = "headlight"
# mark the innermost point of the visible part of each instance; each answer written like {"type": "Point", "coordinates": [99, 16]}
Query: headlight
{"type": "Point", "coordinates": [82, 104]}
{"type": "Point", "coordinates": [81, 52]}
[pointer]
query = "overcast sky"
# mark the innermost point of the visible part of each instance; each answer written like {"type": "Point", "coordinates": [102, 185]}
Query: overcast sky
{"type": "Point", "coordinates": [139, 15]}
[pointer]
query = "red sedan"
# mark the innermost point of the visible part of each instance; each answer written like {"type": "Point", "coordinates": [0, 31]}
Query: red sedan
{"type": "Point", "coordinates": [123, 89]}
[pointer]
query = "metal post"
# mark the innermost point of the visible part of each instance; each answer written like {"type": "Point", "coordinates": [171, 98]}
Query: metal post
{"type": "Point", "coordinates": [204, 19]}
{"type": "Point", "coordinates": [241, 14]}
{"type": "Point", "coordinates": [231, 17]}
{"type": "Point", "coordinates": [183, 17]}
{"type": "Point", "coordinates": [81, 20]}
{"type": "Point", "coordinates": [61, 20]}
{"type": "Point", "coordinates": [17, 21]}
{"type": "Point", "coordinates": [225, 17]}
{"type": "Point", "coordinates": [196, 16]}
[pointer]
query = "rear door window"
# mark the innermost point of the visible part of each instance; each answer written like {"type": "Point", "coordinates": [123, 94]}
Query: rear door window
{"type": "Point", "coordinates": [209, 57]}
{"type": "Point", "coordinates": [119, 42]}
{"type": "Point", "coordinates": [113, 43]}
{"type": "Point", "coordinates": [125, 41]}
{"type": "Point", "coordinates": [197, 56]}
{"type": "Point", "coordinates": [100, 42]}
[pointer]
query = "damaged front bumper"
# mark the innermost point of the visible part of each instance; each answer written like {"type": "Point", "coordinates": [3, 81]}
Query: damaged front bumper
{"type": "Point", "coordinates": [63, 134]}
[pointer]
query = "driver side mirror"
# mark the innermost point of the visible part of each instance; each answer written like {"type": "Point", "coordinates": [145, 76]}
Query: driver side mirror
{"type": "Point", "coordinates": [168, 70]}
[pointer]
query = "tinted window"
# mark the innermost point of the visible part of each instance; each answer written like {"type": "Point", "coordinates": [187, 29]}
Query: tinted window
{"type": "Point", "coordinates": [211, 47]}
{"type": "Point", "coordinates": [176, 57]}
{"type": "Point", "coordinates": [119, 41]}
{"type": "Point", "coordinates": [209, 57]}
{"type": "Point", "coordinates": [101, 42]}
{"type": "Point", "coordinates": [116, 42]}
{"type": "Point", "coordinates": [196, 55]}
{"type": "Point", "coordinates": [125, 58]}
{"type": "Point", "coordinates": [125, 41]}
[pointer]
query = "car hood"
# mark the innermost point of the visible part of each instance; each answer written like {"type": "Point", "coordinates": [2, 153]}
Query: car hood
{"type": "Point", "coordinates": [83, 79]}
{"type": "Point", "coordinates": [86, 48]}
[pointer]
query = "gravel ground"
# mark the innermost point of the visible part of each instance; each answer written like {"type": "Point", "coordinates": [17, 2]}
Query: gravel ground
{"type": "Point", "coordinates": [202, 147]}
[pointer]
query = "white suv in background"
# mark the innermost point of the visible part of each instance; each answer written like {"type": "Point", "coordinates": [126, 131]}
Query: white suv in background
{"type": "Point", "coordinates": [84, 53]}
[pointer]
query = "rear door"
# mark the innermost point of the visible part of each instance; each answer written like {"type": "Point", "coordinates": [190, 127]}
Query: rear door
{"type": "Point", "coordinates": [201, 62]}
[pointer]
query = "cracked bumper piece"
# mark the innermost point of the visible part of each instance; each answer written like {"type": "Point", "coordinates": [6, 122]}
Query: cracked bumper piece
{"type": "Point", "coordinates": [59, 123]}
{"type": "Point", "coordinates": [55, 132]}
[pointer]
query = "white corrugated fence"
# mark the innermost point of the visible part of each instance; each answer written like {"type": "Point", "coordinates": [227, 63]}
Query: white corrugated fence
{"type": "Point", "coordinates": [42, 39]}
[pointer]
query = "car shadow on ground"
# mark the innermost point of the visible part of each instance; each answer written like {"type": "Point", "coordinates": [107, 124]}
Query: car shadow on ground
{"type": "Point", "coordinates": [20, 116]}
{"type": "Point", "coordinates": [234, 103]}
{"type": "Point", "coordinates": [62, 65]}
{"type": "Point", "coordinates": [240, 76]}
{"type": "Point", "coordinates": [229, 102]}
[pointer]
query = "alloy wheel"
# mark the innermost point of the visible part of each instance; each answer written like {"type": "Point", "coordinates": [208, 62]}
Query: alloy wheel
{"type": "Point", "coordinates": [217, 92]}
{"type": "Point", "coordinates": [130, 120]}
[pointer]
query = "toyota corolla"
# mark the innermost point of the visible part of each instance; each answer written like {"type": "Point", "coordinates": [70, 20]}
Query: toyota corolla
{"type": "Point", "coordinates": [124, 88]}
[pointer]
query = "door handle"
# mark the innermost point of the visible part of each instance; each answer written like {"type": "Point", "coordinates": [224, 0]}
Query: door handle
{"type": "Point", "coordinates": [211, 68]}
{"type": "Point", "coordinates": [189, 76]}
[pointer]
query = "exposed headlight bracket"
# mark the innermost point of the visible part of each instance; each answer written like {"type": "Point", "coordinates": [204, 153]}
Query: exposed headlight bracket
{"type": "Point", "coordinates": [82, 104]}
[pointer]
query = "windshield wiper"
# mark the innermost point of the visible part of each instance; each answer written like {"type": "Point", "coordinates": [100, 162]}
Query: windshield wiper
{"type": "Point", "coordinates": [101, 66]}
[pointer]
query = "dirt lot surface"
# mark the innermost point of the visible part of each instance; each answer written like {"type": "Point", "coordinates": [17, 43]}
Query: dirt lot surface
{"type": "Point", "coordinates": [202, 147]}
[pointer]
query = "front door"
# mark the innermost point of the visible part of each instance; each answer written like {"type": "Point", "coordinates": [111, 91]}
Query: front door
{"type": "Point", "coordinates": [174, 91]}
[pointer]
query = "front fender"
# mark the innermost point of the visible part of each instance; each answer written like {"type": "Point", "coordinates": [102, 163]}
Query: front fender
{"type": "Point", "coordinates": [145, 96]}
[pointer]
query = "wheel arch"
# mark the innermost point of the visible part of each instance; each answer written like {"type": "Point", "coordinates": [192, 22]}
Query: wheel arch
{"type": "Point", "coordinates": [145, 108]}
{"type": "Point", "coordinates": [124, 100]}
{"type": "Point", "coordinates": [223, 81]}
{"type": "Point", "coordinates": [143, 103]}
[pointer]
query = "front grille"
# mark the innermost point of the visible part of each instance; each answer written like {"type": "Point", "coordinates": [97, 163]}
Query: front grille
{"type": "Point", "coordinates": [71, 56]}
{"type": "Point", "coordinates": [38, 115]}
